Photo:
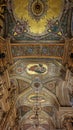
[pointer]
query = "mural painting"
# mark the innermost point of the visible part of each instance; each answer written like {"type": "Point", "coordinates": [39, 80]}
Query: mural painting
{"type": "Point", "coordinates": [36, 69]}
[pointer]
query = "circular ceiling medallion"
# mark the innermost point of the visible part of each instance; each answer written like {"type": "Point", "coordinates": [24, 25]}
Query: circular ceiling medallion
{"type": "Point", "coordinates": [37, 9]}
{"type": "Point", "coordinates": [36, 84]}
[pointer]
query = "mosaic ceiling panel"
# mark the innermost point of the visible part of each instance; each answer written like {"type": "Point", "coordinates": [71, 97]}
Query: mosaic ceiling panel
{"type": "Point", "coordinates": [31, 20]}
{"type": "Point", "coordinates": [45, 50]}
{"type": "Point", "coordinates": [37, 13]}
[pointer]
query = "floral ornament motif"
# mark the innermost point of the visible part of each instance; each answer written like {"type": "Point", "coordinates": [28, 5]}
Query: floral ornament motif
{"type": "Point", "coordinates": [54, 27]}
{"type": "Point", "coordinates": [19, 28]}
{"type": "Point", "coordinates": [20, 68]}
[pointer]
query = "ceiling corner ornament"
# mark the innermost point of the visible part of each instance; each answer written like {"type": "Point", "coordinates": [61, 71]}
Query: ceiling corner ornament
{"type": "Point", "coordinates": [37, 9]}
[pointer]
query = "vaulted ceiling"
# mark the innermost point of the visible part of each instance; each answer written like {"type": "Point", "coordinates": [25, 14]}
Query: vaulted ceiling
{"type": "Point", "coordinates": [31, 20]}
{"type": "Point", "coordinates": [36, 32]}
{"type": "Point", "coordinates": [38, 98]}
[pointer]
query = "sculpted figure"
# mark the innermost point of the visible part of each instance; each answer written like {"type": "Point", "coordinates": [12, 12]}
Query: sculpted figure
{"type": "Point", "coordinates": [68, 123]}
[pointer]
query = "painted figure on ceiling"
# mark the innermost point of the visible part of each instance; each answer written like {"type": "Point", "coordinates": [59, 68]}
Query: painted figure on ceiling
{"type": "Point", "coordinates": [37, 68]}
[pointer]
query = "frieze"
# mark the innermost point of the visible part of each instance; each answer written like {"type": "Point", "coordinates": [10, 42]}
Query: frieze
{"type": "Point", "coordinates": [37, 50]}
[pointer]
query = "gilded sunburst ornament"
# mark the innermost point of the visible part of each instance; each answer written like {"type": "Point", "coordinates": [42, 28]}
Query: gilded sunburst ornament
{"type": "Point", "coordinates": [37, 13]}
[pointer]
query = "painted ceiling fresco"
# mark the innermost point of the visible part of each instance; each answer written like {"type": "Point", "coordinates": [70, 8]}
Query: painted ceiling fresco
{"type": "Point", "coordinates": [35, 32]}
{"type": "Point", "coordinates": [30, 20]}
{"type": "Point", "coordinates": [36, 103]}
{"type": "Point", "coordinates": [39, 84]}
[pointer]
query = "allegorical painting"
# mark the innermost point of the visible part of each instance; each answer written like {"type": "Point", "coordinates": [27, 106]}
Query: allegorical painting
{"type": "Point", "coordinates": [36, 69]}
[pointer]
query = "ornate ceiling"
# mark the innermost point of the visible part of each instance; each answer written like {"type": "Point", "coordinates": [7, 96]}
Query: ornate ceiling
{"type": "Point", "coordinates": [37, 14]}
{"type": "Point", "coordinates": [31, 20]}
{"type": "Point", "coordinates": [39, 83]}
{"type": "Point", "coordinates": [36, 102]}
{"type": "Point", "coordinates": [36, 59]}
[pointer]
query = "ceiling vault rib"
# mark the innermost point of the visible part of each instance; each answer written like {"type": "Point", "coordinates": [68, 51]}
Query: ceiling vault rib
{"type": "Point", "coordinates": [37, 56]}
{"type": "Point", "coordinates": [36, 44]}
